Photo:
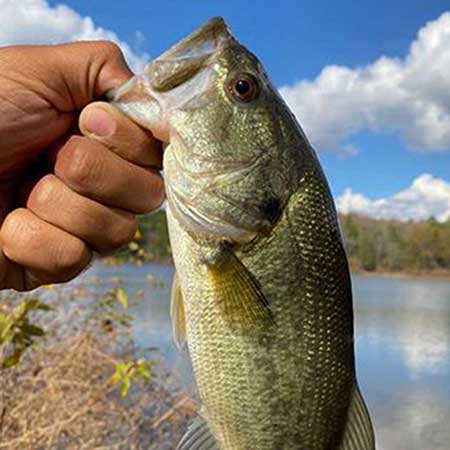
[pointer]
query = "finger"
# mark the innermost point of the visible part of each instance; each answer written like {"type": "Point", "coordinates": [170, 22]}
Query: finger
{"type": "Point", "coordinates": [88, 69]}
{"type": "Point", "coordinates": [107, 125]}
{"type": "Point", "coordinates": [68, 76]}
{"type": "Point", "coordinates": [13, 275]}
{"type": "Point", "coordinates": [102, 227]}
{"type": "Point", "coordinates": [93, 171]}
{"type": "Point", "coordinates": [47, 253]}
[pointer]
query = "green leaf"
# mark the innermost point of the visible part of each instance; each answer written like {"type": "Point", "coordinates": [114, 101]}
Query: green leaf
{"type": "Point", "coordinates": [5, 325]}
{"type": "Point", "coordinates": [117, 377]}
{"type": "Point", "coordinates": [125, 386]}
{"type": "Point", "coordinates": [16, 331]}
{"type": "Point", "coordinates": [3, 318]}
{"type": "Point", "coordinates": [19, 311]}
{"type": "Point", "coordinates": [43, 307]}
{"type": "Point", "coordinates": [32, 330]}
{"type": "Point", "coordinates": [122, 298]}
{"type": "Point", "coordinates": [13, 359]}
{"type": "Point", "coordinates": [7, 333]}
{"type": "Point", "coordinates": [143, 369]}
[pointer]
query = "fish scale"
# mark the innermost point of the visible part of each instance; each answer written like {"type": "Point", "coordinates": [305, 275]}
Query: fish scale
{"type": "Point", "coordinates": [303, 317]}
{"type": "Point", "coordinates": [262, 294]}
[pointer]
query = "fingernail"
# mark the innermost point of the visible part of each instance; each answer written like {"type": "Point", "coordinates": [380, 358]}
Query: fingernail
{"type": "Point", "coordinates": [100, 123]}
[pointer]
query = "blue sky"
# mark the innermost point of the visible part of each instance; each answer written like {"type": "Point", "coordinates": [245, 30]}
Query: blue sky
{"type": "Point", "coordinates": [296, 40]}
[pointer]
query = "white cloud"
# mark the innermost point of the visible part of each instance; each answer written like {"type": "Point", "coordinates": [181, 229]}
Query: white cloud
{"type": "Point", "coordinates": [410, 96]}
{"type": "Point", "coordinates": [414, 417]}
{"type": "Point", "coordinates": [426, 197]}
{"type": "Point", "coordinates": [36, 22]}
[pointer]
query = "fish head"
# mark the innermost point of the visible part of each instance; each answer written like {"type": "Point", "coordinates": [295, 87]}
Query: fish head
{"type": "Point", "coordinates": [236, 151]}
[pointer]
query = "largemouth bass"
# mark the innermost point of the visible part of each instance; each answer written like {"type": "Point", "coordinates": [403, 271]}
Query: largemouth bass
{"type": "Point", "coordinates": [262, 293]}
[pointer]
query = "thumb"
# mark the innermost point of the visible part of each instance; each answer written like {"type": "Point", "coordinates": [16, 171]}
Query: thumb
{"type": "Point", "coordinates": [89, 70]}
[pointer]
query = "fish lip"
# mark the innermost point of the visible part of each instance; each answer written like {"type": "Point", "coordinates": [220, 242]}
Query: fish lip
{"type": "Point", "coordinates": [182, 61]}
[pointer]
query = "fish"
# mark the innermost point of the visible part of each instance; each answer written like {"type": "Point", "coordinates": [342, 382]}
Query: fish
{"type": "Point", "coordinates": [262, 293]}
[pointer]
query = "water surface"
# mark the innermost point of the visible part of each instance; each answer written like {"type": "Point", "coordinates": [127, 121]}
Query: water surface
{"type": "Point", "coordinates": [402, 347]}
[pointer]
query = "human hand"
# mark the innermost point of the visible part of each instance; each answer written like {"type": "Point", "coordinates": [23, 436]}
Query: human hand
{"type": "Point", "coordinates": [64, 193]}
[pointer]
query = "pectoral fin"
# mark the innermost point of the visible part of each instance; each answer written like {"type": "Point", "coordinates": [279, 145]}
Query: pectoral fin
{"type": "Point", "coordinates": [238, 293]}
{"type": "Point", "coordinates": [177, 314]}
{"type": "Point", "coordinates": [358, 434]}
{"type": "Point", "coordinates": [198, 437]}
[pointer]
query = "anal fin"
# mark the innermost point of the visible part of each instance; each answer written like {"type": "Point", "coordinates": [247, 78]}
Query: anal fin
{"type": "Point", "coordinates": [198, 437]}
{"type": "Point", "coordinates": [358, 434]}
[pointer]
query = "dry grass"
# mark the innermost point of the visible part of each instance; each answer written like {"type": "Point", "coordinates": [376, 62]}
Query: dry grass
{"type": "Point", "coordinates": [63, 397]}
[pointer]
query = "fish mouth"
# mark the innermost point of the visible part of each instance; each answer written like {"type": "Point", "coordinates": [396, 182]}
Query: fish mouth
{"type": "Point", "coordinates": [182, 61]}
{"type": "Point", "coordinates": [178, 77]}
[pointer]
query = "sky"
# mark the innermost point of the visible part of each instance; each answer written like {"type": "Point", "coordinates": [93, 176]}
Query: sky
{"type": "Point", "coordinates": [368, 81]}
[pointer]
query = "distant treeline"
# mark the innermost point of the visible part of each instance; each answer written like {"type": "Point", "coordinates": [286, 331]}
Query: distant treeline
{"type": "Point", "coordinates": [155, 236]}
{"type": "Point", "coordinates": [149, 244]}
{"type": "Point", "coordinates": [372, 245]}
{"type": "Point", "coordinates": [394, 246]}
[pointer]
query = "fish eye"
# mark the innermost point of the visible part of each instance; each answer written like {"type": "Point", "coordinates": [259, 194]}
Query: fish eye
{"type": "Point", "coordinates": [244, 87]}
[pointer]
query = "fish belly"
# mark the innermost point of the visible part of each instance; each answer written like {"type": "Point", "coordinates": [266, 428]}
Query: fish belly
{"type": "Point", "coordinates": [272, 388]}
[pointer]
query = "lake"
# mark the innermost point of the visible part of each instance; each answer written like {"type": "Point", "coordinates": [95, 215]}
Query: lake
{"type": "Point", "coordinates": [402, 347]}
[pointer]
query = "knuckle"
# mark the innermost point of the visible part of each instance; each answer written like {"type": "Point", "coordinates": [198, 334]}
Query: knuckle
{"type": "Point", "coordinates": [20, 234]}
{"type": "Point", "coordinates": [71, 258]}
{"type": "Point", "coordinates": [13, 227]}
{"type": "Point", "coordinates": [76, 163]}
{"type": "Point", "coordinates": [110, 48]}
{"type": "Point", "coordinates": [43, 192]}
{"type": "Point", "coordinates": [29, 241]}
{"type": "Point", "coordinates": [122, 232]}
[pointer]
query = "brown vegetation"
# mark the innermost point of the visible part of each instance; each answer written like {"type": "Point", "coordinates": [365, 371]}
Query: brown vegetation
{"type": "Point", "coordinates": [393, 246]}
{"type": "Point", "coordinates": [66, 394]}
{"type": "Point", "coordinates": [389, 246]}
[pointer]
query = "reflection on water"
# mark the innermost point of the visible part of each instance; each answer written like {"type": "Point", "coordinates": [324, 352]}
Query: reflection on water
{"type": "Point", "coordinates": [402, 343]}
{"type": "Point", "coordinates": [152, 328]}
{"type": "Point", "coordinates": [408, 317]}
{"type": "Point", "coordinates": [403, 351]}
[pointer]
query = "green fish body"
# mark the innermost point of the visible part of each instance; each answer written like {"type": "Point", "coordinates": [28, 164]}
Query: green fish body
{"type": "Point", "coordinates": [262, 293]}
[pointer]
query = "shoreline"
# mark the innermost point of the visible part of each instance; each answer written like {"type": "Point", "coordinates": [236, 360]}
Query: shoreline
{"type": "Point", "coordinates": [431, 276]}
{"type": "Point", "coordinates": [438, 275]}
